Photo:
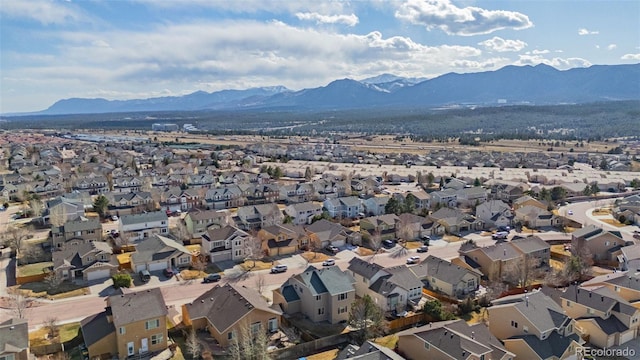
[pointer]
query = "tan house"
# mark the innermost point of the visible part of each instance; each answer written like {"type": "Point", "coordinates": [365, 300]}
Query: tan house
{"type": "Point", "coordinates": [86, 261]}
{"type": "Point", "coordinates": [14, 339]}
{"type": "Point", "coordinates": [527, 200]}
{"type": "Point", "coordinates": [533, 326]}
{"type": "Point", "coordinates": [323, 295]}
{"type": "Point", "coordinates": [601, 244]}
{"type": "Point", "coordinates": [198, 221]}
{"type": "Point", "coordinates": [493, 260]}
{"type": "Point", "coordinates": [454, 339]}
{"type": "Point", "coordinates": [384, 225]}
{"type": "Point", "coordinates": [624, 284]}
{"type": "Point", "coordinates": [225, 310]}
{"type": "Point", "coordinates": [157, 253]}
{"type": "Point", "coordinates": [324, 233]}
{"type": "Point", "coordinates": [133, 324]}
{"type": "Point", "coordinates": [227, 243]}
{"type": "Point", "coordinates": [453, 220]}
{"type": "Point", "coordinates": [603, 316]}
{"type": "Point", "coordinates": [535, 217]}
{"type": "Point", "coordinates": [81, 229]}
{"type": "Point", "coordinates": [445, 277]}
{"type": "Point", "coordinates": [282, 239]}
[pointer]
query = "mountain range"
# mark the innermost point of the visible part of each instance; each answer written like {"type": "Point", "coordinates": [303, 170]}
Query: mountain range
{"type": "Point", "coordinates": [536, 85]}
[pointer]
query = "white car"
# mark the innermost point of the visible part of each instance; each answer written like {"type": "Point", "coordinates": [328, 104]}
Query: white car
{"type": "Point", "coordinates": [329, 262]}
{"type": "Point", "coordinates": [114, 217]}
{"type": "Point", "coordinates": [413, 260]}
{"type": "Point", "coordinates": [569, 212]}
{"type": "Point", "coordinates": [278, 269]}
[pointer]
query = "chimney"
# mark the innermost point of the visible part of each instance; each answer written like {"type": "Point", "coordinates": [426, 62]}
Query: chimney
{"type": "Point", "coordinates": [526, 300]}
{"type": "Point", "coordinates": [473, 334]}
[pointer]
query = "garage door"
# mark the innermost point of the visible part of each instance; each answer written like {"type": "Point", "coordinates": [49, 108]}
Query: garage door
{"type": "Point", "coordinates": [338, 243]}
{"type": "Point", "coordinates": [98, 274]}
{"type": "Point", "coordinates": [158, 266]}
{"type": "Point", "coordinates": [627, 336]}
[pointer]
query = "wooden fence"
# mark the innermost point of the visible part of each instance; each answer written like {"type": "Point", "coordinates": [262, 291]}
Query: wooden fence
{"type": "Point", "coordinates": [31, 278]}
{"type": "Point", "coordinates": [310, 347]}
{"type": "Point", "coordinates": [440, 297]}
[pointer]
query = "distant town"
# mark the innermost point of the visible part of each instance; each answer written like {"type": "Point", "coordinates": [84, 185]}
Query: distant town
{"type": "Point", "coordinates": [171, 242]}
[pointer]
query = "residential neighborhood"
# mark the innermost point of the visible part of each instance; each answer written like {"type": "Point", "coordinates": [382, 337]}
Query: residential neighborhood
{"type": "Point", "coordinates": [161, 249]}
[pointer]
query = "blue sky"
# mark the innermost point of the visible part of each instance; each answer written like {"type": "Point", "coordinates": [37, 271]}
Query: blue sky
{"type": "Point", "coordinates": [51, 50]}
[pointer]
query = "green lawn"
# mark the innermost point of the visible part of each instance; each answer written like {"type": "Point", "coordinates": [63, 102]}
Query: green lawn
{"type": "Point", "coordinates": [34, 269]}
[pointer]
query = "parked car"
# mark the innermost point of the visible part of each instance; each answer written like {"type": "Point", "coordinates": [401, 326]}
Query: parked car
{"type": "Point", "coordinates": [114, 217]}
{"type": "Point", "coordinates": [211, 278]}
{"type": "Point", "coordinates": [145, 275]}
{"type": "Point", "coordinates": [500, 235]}
{"type": "Point", "coordinates": [504, 228]}
{"type": "Point", "coordinates": [332, 249]}
{"type": "Point", "coordinates": [168, 272]}
{"type": "Point", "coordinates": [569, 212]}
{"type": "Point", "coordinates": [329, 262]}
{"type": "Point", "coordinates": [423, 249]}
{"type": "Point", "coordinates": [388, 243]}
{"type": "Point", "coordinates": [278, 269]}
{"type": "Point", "coordinates": [413, 260]}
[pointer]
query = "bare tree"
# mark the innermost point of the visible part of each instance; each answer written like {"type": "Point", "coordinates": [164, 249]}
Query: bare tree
{"type": "Point", "coordinates": [249, 344]}
{"type": "Point", "coordinates": [367, 317]}
{"type": "Point", "coordinates": [52, 326]}
{"type": "Point", "coordinates": [181, 232]}
{"type": "Point", "coordinates": [375, 241]}
{"type": "Point", "coordinates": [53, 280]}
{"type": "Point", "coordinates": [56, 218]}
{"type": "Point", "coordinates": [36, 207]}
{"type": "Point", "coordinates": [260, 282]}
{"type": "Point", "coordinates": [14, 236]}
{"type": "Point", "coordinates": [252, 248]}
{"type": "Point", "coordinates": [192, 345]}
{"type": "Point", "coordinates": [31, 253]}
{"type": "Point", "coordinates": [199, 263]}
{"type": "Point", "coordinates": [19, 304]}
{"type": "Point", "coordinates": [522, 271]}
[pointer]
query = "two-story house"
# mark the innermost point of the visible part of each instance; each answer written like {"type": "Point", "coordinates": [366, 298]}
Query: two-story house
{"type": "Point", "coordinates": [133, 324]}
{"type": "Point", "coordinates": [447, 197]}
{"type": "Point", "coordinates": [297, 193]}
{"type": "Point", "coordinates": [344, 207]}
{"type": "Point", "coordinates": [320, 294]}
{"type": "Point", "coordinates": [81, 229]}
{"type": "Point", "coordinates": [383, 225]}
{"type": "Point", "coordinates": [393, 288]}
{"type": "Point", "coordinates": [127, 184]}
{"type": "Point", "coordinates": [495, 213]}
{"type": "Point", "coordinates": [600, 243]}
{"type": "Point", "coordinates": [323, 233]}
{"type": "Point", "coordinates": [535, 217]}
{"type": "Point", "coordinates": [533, 326]}
{"type": "Point", "coordinates": [226, 197]}
{"type": "Point", "coordinates": [226, 243]}
{"type": "Point", "coordinates": [136, 227]}
{"type": "Point", "coordinates": [62, 209]}
{"type": "Point", "coordinates": [198, 221]}
{"type": "Point", "coordinates": [442, 276]}
{"type": "Point", "coordinates": [454, 220]}
{"type": "Point", "coordinates": [260, 193]}
{"type": "Point", "coordinates": [303, 213]}
{"type": "Point", "coordinates": [229, 312]}
{"type": "Point", "coordinates": [156, 253]}
{"type": "Point", "coordinates": [375, 205]}
{"type": "Point", "coordinates": [85, 261]}
{"type": "Point", "coordinates": [282, 239]}
{"type": "Point", "coordinates": [14, 339]}
{"type": "Point", "coordinates": [259, 216]}
{"type": "Point", "coordinates": [130, 203]}
{"type": "Point", "coordinates": [92, 184]}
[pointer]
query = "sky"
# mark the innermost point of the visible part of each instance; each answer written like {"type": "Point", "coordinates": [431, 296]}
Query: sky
{"type": "Point", "coordinates": [132, 49]}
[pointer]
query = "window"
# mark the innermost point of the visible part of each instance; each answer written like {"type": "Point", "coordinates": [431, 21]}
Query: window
{"type": "Point", "coordinates": [514, 324]}
{"type": "Point", "coordinates": [122, 330]}
{"type": "Point", "coordinates": [162, 231]}
{"type": "Point", "coordinates": [184, 260]}
{"type": "Point", "coordinates": [218, 243]}
{"type": "Point", "coordinates": [568, 303]}
{"type": "Point", "coordinates": [606, 243]}
{"type": "Point", "coordinates": [321, 311]}
{"type": "Point", "coordinates": [318, 297]}
{"type": "Point", "coordinates": [617, 288]}
{"type": "Point", "coordinates": [342, 310]}
{"type": "Point", "coordinates": [156, 339]}
{"type": "Point", "coordinates": [342, 296]}
{"type": "Point", "coordinates": [427, 345]}
{"type": "Point", "coordinates": [525, 328]}
{"type": "Point", "coordinates": [230, 335]}
{"type": "Point", "coordinates": [162, 222]}
{"type": "Point", "coordinates": [255, 327]}
{"type": "Point", "coordinates": [152, 324]}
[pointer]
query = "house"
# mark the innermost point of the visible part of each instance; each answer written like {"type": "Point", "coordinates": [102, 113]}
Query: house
{"type": "Point", "coordinates": [282, 239]}
{"type": "Point", "coordinates": [323, 233]}
{"type": "Point", "coordinates": [375, 205]}
{"type": "Point", "coordinates": [527, 200]}
{"type": "Point", "coordinates": [227, 312]}
{"type": "Point", "coordinates": [199, 221]}
{"type": "Point", "coordinates": [344, 207]}
{"type": "Point", "coordinates": [393, 289]}
{"type": "Point", "coordinates": [303, 213]}
{"type": "Point", "coordinates": [606, 318]}
{"type": "Point", "coordinates": [454, 220]}
{"type": "Point", "coordinates": [626, 284]}
{"type": "Point", "coordinates": [92, 184]}
{"type": "Point", "coordinates": [14, 339]}
{"type": "Point", "coordinates": [410, 226]}
{"type": "Point", "coordinates": [297, 193]}
{"type": "Point", "coordinates": [448, 197]}
{"type": "Point", "coordinates": [175, 199]}
{"type": "Point", "coordinates": [157, 252]}
{"type": "Point", "coordinates": [260, 193]}
{"type": "Point", "coordinates": [450, 279]}
{"type": "Point", "coordinates": [455, 184]}
{"type": "Point", "coordinates": [535, 217]}
{"type": "Point", "coordinates": [86, 261]}
{"type": "Point", "coordinates": [258, 216]}
{"type": "Point", "coordinates": [495, 259]}
{"type": "Point", "coordinates": [602, 244]}
{"type": "Point", "coordinates": [510, 192]}
{"type": "Point", "coordinates": [533, 247]}
{"type": "Point", "coordinates": [629, 258]}
{"type": "Point", "coordinates": [226, 197]}
{"type": "Point", "coordinates": [454, 339]}
{"type": "Point", "coordinates": [226, 243]}
{"type": "Point", "coordinates": [135, 227]}
{"type": "Point", "coordinates": [495, 213]}
{"type": "Point", "coordinates": [81, 229]}
{"type": "Point", "coordinates": [322, 295]}
{"type": "Point", "coordinates": [383, 225]}
{"type": "Point", "coordinates": [130, 203]}
{"type": "Point", "coordinates": [132, 324]}
{"type": "Point", "coordinates": [62, 209]}
{"type": "Point", "coordinates": [422, 200]}
{"type": "Point", "coordinates": [629, 207]}
{"type": "Point", "coordinates": [471, 196]}
{"type": "Point", "coordinates": [533, 326]}
{"type": "Point", "coordinates": [127, 184]}
{"type": "Point", "coordinates": [368, 351]}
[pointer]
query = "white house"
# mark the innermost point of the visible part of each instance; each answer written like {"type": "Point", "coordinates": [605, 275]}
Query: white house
{"type": "Point", "coordinates": [139, 226]}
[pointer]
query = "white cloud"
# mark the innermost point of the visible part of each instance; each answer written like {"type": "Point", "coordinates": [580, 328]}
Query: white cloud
{"type": "Point", "coordinates": [501, 45]}
{"type": "Point", "coordinates": [45, 12]}
{"type": "Point", "coordinates": [630, 57]}
{"type": "Point", "coordinates": [558, 63]}
{"type": "Point", "coordinates": [350, 20]}
{"type": "Point", "coordinates": [541, 52]}
{"type": "Point", "coordinates": [443, 15]}
{"type": "Point", "coordinates": [583, 32]}
{"type": "Point", "coordinates": [612, 46]}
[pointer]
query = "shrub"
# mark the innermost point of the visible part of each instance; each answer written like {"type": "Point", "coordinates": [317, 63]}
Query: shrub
{"type": "Point", "coordinates": [121, 280]}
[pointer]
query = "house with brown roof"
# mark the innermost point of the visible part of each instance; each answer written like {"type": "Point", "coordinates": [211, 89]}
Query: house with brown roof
{"type": "Point", "coordinates": [323, 233]}
{"type": "Point", "coordinates": [453, 220]}
{"type": "Point", "coordinates": [132, 324]}
{"type": "Point", "coordinates": [282, 239]}
{"type": "Point", "coordinates": [535, 217]}
{"type": "Point", "coordinates": [454, 339]}
{"type": "Point", "coordinates": [228, 311]}
{"type": "Point", "coordinates": [495, 259]}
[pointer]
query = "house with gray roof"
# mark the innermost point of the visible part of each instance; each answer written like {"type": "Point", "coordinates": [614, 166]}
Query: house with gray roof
{"type": "Point", "coordinates": [303, 213]}
{"type": "Point", "coordinates": [343, 207]}
{"type": "Point", "coordinates": [224, 197]}
{"type": "Point", "coordinates": [495, 213]}
{"type": "Point", "coordinates": [81, 230]}
{"type": "Point", "coordinates": [453, 220]}
{"type": "Point", "coordinates": [375, 205]}
{"type": "Point", "coordinates": [130, 203]}
{"type": "Point", "coordinates": [14, 339]}
{"type": "Point", "coordinates": [136, 227]}
{"type": "Point", "coordinates": [535, 217]}
{"type": "Point", "coordinates": [226, 243]}
{"type": "Point", "coordinates": [158, 252]}
{"type": "Point", "coordinates": [225, 310]}
{"type": "Point", "coordinates": [323, 295]}
{"type": "Point", "coordinates": [602, 244]}
{"type": "Point", "coordinates": [85, 261]}
{"type": "Point", "coordinates": [533, 326]}
{"type": "Point", "coordinates": [454, 339]}
{"type": "Point", "coordinates": [442, 276]}
{"type": "Point", "coordinates": [255, 217]}
{"type": "Point", "coordinates": [625, 284]}
{"type": "Point", "coordinates": [368, 351]}
{"type": "Point", "coordinates": [199, 221]}
{"type": "Point", "coordinates": [133, 323]}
